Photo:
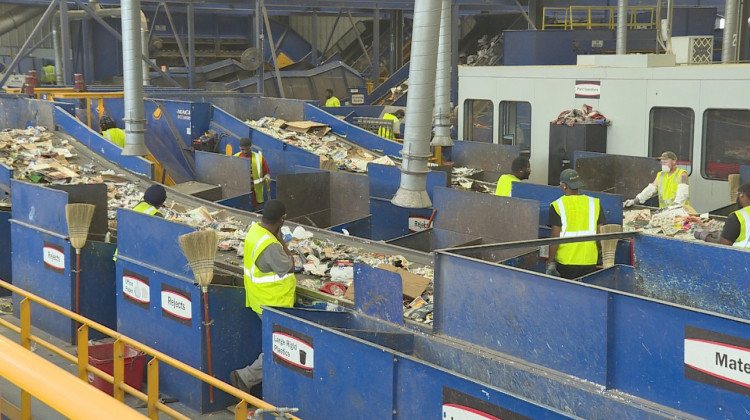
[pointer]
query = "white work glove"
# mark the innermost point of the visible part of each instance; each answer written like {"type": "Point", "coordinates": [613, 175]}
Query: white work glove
{"type": "Point", "coordinates": [628, 203]}
{"type": "Point", "coordinates": [647, 193]}
{"type": "Point", "coordinates": [266, 177]}
{"type": "Point", "coordinates": [552, 269]}
{"type": "Point", "coordinates": [683, 191]}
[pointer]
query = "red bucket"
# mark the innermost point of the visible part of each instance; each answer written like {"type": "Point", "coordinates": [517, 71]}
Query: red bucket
{"type": "Point", "coordinates": [101, 357]}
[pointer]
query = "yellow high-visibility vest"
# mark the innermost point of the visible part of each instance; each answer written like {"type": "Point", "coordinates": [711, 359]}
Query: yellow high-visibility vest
{"type": "Point", "coordinates": [333, 101]}
{"type": "Point", "coordinates": [579, 214]}
{"type": "Point", "coordinates": [743, 240]}
{"type": "Point", "coordinates": [261, 288]}
{"type": "Point", "coordinates": [667, 185]}
{"type": "Point", "coordinates": [505, 184]}
{"type": "Point", "coordinates": [115, 135]}
{"type": "Point", "coordinates": [49, 75]}
{"type": "Point", "coordinates": [257, 174]}
{"type": "Point", "coordinates": [389, 133]}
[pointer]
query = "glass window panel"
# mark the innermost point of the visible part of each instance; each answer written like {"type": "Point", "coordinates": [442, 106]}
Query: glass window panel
{"type": "Point", "coordinates": [672, 129]}
{"type": "Point", "coordinates": [515, 125]}
{"type": "Point", "coordinates": [478, 120]}
{"type": "Point", "coordinates": [726, 142]}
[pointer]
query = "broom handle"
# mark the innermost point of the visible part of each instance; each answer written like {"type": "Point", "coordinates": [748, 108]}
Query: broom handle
{"type": "Point", "coordinates": [208, 346]}
{"type": "Point", "coordinates": [78, 289]}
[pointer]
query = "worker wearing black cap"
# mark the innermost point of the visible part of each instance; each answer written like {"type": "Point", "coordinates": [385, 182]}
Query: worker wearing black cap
{"type": "Point", "coordinates": [153, 198]}
{"type": "Point", "coordinates": [269, 278]}
{"type": "Point", "coordinates": [573, 214]}
{"type": "Point", "coordinates": [109, 130]}
{"type": "Point", "coordinates": [736, 230]}
{"type": "Point", "coordinates": [671, 184]}
{"type": "Point", "coordinates": [258, 170]}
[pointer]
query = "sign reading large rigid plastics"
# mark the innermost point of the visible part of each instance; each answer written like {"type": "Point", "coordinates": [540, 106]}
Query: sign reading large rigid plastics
{"type": "Point", "coordinates": [460, 406]}
{"type": "Point", "coordinates": [293, 350]}
{"type": "Point", "coordinates": [588, 89]}
{"type": "Point", "coordinates": [717, 359]}
{"type": "Point", "coordinates": [135, 289]}
{"type": "Point", "coordinates": [54, 257]}
{"type": "Point", "coordinates": [176, 305]}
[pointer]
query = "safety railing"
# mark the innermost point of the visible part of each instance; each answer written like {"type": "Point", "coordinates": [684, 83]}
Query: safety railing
{"type": "Point", "coordinates": [597, 17]}
{"type": "Point", "coordinates": [382, 127]}
{"type": "Point", "coordinates": [117, 379]}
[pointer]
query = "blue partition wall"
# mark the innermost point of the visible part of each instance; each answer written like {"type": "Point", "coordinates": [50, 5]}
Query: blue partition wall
{"type": "Point", "coordinates": [611, 204]}
{"type": "Point", "coordinates": [159, 305]}
{"type": "Point", "coordinates": [353, 133]}
{"type": "Point", "coordinates": [6, 273]}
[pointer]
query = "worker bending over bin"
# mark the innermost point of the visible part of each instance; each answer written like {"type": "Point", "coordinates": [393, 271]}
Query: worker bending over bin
{"type": "Point", "coordinates": [671, 184]}
{"type": "Point", "coordinates": [259, 172]}
{"type": "Point", "coordinates": [269, 279]}
{"type": "Point", "coordinates": [573, 214]}
{"type": "Point", "coordinates": [395, 128]}
{"type": "Point", "coordinates": [521, 169]}
{"type": "Point", "coordinates": [109, 130]}
{"type": "Point", "coordinates": [736, 230]}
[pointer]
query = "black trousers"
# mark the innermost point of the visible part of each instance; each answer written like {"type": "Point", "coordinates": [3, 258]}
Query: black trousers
{"type": "Point", "coordinates": [574, 271]}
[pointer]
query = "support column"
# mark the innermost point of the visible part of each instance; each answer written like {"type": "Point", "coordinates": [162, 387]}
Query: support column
{"type": "Point", "coordinates": [375, 71]}
{"type": "Point", "coordinates": [191, 44]}
{"type": "Point", "coordinates": [67, 72]}
{"type": "Point", "coordinates": [260, 44]}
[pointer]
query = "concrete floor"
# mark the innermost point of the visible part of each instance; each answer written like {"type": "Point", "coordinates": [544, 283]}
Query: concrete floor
{"type": "Point", "coordinates": [41, 411]}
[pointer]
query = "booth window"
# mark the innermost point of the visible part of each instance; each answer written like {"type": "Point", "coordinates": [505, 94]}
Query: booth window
{"type": "Point", "coordinates": [726, 142]}
{"type": "Point", "coordinates": [478, 120]}
{"type": "Point", "coordinates": [672, 129]}
{"type": "Point", "coordinates": [515, 125]}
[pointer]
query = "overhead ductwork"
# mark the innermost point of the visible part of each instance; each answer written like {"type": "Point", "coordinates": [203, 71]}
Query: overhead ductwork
{"type": "Point", "coordinates": [412, 192]}
{"type": "Point", "coordinates": [442, 117]}
{"type": "Point", "coordinates": [135, 121]}
{"type": "Point", "coordinates": [17, 16]}
{"type": "Point", "coordinates": [621, 45]}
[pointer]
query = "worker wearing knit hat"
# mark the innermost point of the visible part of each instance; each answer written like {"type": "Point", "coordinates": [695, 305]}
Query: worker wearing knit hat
{"type": "Point", "coordinates": [155, 195]}
{"type": "Point", "coordinates": [671, 184]}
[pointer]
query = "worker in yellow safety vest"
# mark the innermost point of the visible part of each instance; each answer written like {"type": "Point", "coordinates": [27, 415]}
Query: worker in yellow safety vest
{"type": "Point", "coordinates": [331, 101]}
{"type": "Point", "coordinates": [109, 130]}
{"type": "Point", "coordinates": [573, 214]}
{"type": "Point", "coordinates": [671, 184]}
{"type": "Point", "coordinates": [736, 230]}
{"type": "Point", "coordinates": [521, 169]}
{"type": "Point", "coordinates": [269, 278]}
{"type": "Point", "coordinates": [259, 171]}
{"type": "Point", "coordinates": [48, 73]}
{"type": "Point", "coordinates": [153, 198]}
{"type": "Point", "coordinates": [394, 130]}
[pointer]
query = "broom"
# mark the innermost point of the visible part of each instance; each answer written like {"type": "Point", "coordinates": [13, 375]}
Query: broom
{"type": "Point", "coordinates": [79, 219]}
{"type": "Point", "coordinates": [200, 250]}
{"type": "Point", "coordinates": [734, 184]}
{"type": "Point", "coordinates": [609, 246]}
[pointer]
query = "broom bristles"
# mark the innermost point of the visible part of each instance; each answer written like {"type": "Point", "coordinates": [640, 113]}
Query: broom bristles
{"type": "Point", "coordinates": [734, 184]}
{"type": "Point", "coordinates": [609, 246]}
{"type": "Point", "coordinates": [200, 250]}
{"type": "Point", "coordinates": [79, 217]}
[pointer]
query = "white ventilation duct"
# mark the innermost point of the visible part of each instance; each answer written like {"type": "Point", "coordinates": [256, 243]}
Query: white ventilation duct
{"type": "Point", "coordinates": [135, 121]}
{"type": "Point", "coordinates": [730, 38]}
{"type": "Point", "coordinates": [442, 117]}
{"type": "Point", "coordinates": [621, 46]}
{"type": "Point", "coordinates": [412, 192]}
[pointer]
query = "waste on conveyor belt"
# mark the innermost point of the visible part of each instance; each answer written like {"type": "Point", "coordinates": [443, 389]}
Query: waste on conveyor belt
{"type": "Point", "coordinates": [316, 138]}
{"type": "Point", "coordinates": [489, 51]}
{"type": "Point", "coordinates": [38, 155]}
{"type": "Point", "coordinates": [675, 221]}
{"type": "Point", "coordinates": [583, 115]}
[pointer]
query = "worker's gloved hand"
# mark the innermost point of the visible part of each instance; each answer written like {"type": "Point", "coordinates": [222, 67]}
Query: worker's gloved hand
{"type": "Point", "coordinates": [628, 203]}
{"type": "Point", "coordinates": [552, 269]}
{"type": "Point", "coordinates": [701, 234]}
{"type": "Point", "coordinates": [267, 177]}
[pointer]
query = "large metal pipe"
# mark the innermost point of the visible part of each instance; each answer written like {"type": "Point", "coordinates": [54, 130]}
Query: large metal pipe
{"type": "Point", "coordinates": [442, 116]}
{"type": "Point", "coordinates": [622, 27]}
{"type": "Point", "coordinates": [412, 192]}
{"type": "Point", "coordinates": [58, 53]}
{"type": "Point", "coordinates": [729, 40]}
{"type": "Point", "coordinates": [17, 16]}
{"type": "Point", "coordinates": [135, 121]}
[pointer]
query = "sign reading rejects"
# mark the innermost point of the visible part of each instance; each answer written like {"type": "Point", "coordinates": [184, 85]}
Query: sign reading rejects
{"type": "Point", "coordinates": [54, 257]}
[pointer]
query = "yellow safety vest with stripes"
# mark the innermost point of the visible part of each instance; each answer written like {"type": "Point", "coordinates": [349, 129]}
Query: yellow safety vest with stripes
{"type": "Point", "coordinates": [505, 184]}
{"type": "Point", "coordinates": [261, 288]}
{"type": "Point", "coordinates": [256, 171]}
{"type": "Point", "coordinates": [386, 132]}
{"type": "Point", "coordinates": [667, 185]}
{"type": "Point", "coordinates": [333, 102]}
{"type": "Point", "coordinates": [579, 214]}
{"type": "Point", "coordinates": [115, 135]}
{"type": "Point", "coordinates": [142, 207]}
{"type": "Point", "coordinates": [743, 239]}
{"type": "Point", "coordinates": [49, 75]}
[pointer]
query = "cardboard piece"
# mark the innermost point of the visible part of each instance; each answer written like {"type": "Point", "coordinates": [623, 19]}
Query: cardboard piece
{"type": "Point", "coordinates": [318, 129]}
{"type": "Point", "coordinates": [412, 284]}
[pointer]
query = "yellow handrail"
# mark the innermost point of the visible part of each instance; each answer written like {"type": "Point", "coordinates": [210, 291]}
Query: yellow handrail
{"type": "Point", "coordinates": [120, 388]}
{"type": "Point", "coordinates": [57, 388]}
{"type": "Point", "coordinates": [596, 17]}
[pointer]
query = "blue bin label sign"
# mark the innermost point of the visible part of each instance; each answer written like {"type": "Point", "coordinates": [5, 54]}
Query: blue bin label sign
{"type": "Point", "coordinates": [717, 359]}
{"type": "Point", "coordinates": [460, 406]}
{"type": "Point", "coordinates": [135, 289]}
{"type": "Point", "coordinates": [293, 350]}
{"type": "Point", "coordinates": [176, 305]}
{"type": "Point", "coordinates": [588, 89]}
{"type": "Point", "coordinates": [54, 257]}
